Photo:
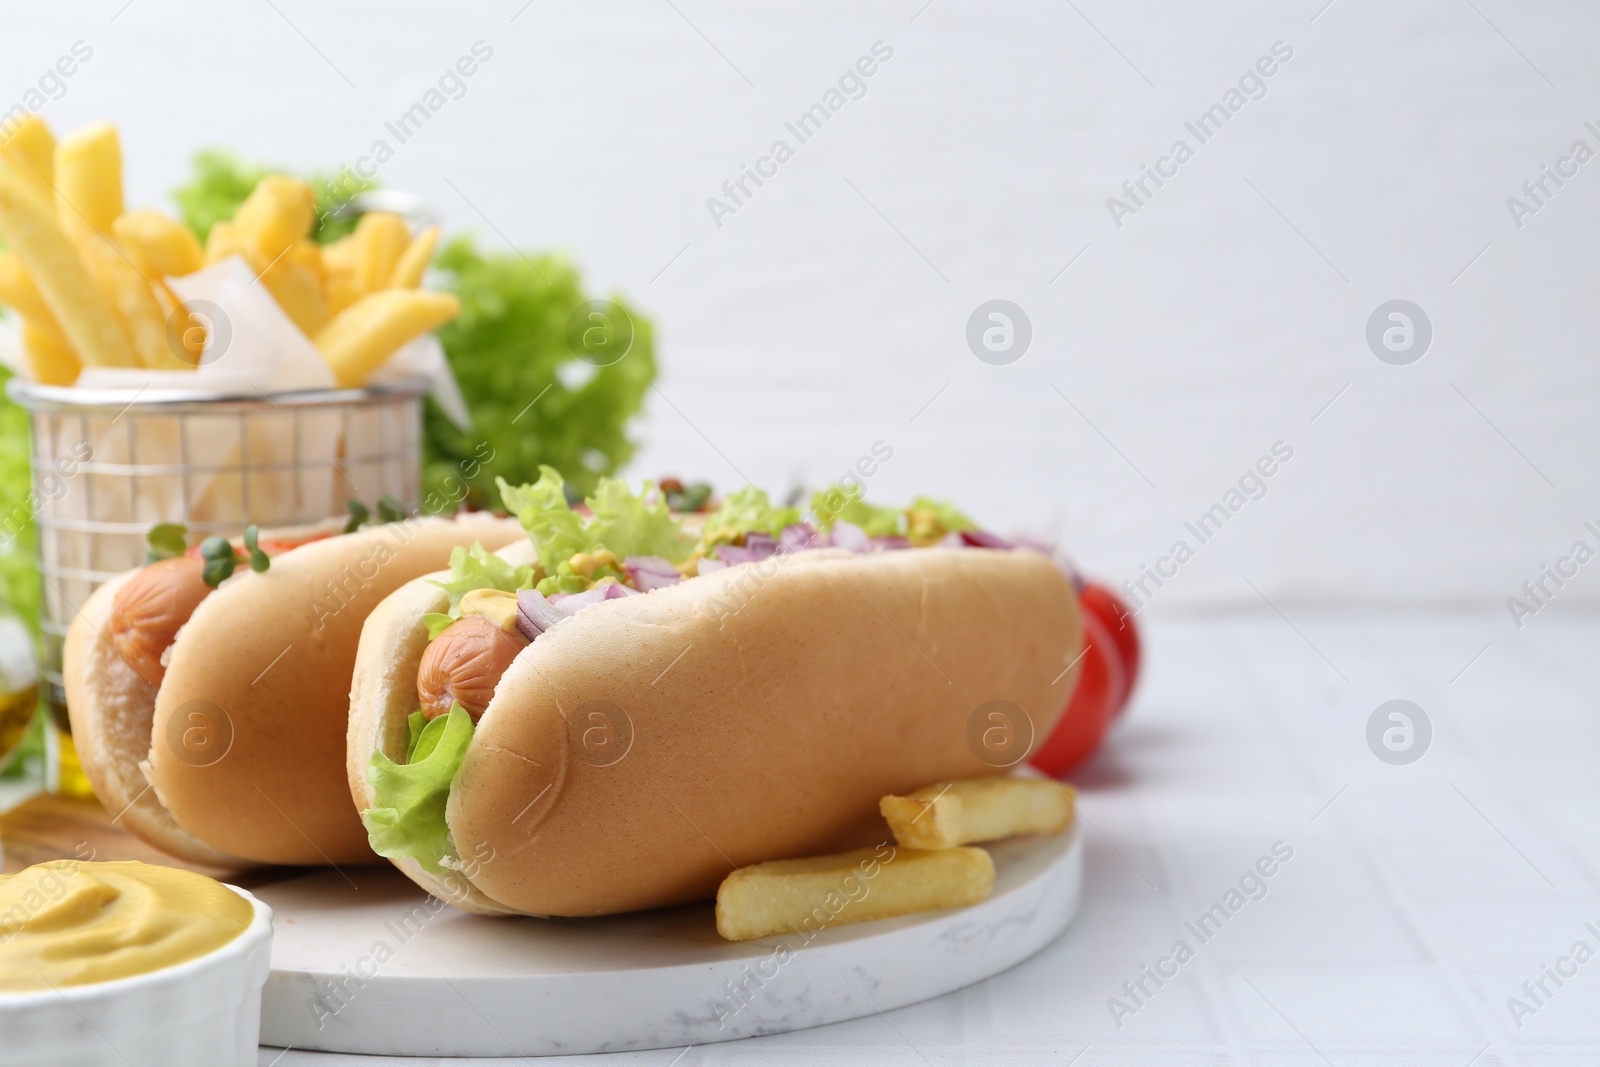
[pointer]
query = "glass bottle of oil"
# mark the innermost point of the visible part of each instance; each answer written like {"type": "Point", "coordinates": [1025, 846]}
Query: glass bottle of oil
{"type": "Point", "coordinates": [19, 682]}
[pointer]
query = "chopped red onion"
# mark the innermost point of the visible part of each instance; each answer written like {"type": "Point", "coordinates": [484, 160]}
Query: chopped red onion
{"type": "Point", "coordinates": [535, 614]}
{"type": "Point", "coordinates": [952, 540]}
{"type": "Point", "coordinates": [798, 537]}
{"type": "Point", "coordinates": [711, 566]}
{"type": "Point", "coordinates": [616, 591]}
{"type": "Point", "coordinates": [892, 543]}
{"type": "Point", "coordinates": [572, 603]}
{"type": "Point", "coordinates": [756, 547]}
{"type": "Point", "coordinates": [849, 536]}
{"type": "Point", "coordinates": [651, 572]}
{"type": "Point", "coordinates": [984, 539]}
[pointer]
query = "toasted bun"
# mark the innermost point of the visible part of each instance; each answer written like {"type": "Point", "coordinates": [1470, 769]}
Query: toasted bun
{"type": "Point", "coordinates": [112, 707]}
{"type": "Point", "coordinates": [245, 741]}
{"type": "Point", "coordinates": [383, 694]}
{"type": "Point", "coordinates": [637, 753]}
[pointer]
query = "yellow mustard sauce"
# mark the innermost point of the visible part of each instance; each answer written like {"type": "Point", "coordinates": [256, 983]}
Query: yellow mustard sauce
{"type": "Point", "coordinates": [66, 923]}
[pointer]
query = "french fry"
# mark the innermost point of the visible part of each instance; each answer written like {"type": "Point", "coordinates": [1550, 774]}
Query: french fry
{"type": "Point", "coordinates": [339, 286]}
{"type": "Point", "coordinates": [131, 296]}
{"type": "Point", "coordinates": [82, 311]}
{"type": "Point", "coordinates": [30, 151]}
{"type": "Point", "coordinates": [339, 289]}
{"type": "Point", "coordinates": [295, 289]}
{"type": "Point", "coordinates": [414, 261]}
{"type": "Point", "coordinates": [307, 255]}
{"type": "Point", "coordinates": [48, 350]}
{"type": "Point", "coordinates": [88, 178]}
{"type": "Point", "coordinates": [277, 214]}
{"type": "Point", "coordinates": [381, 239]}
{"type": "Point", "coordinates": [369, 331]}
{"type": "Point", "coordinates": [226, 240]}
{"type": "Point", "coordinates": [298, 293]}
{"type": "Point", "coordinates": [88, 175]}
{"type": "Point", "coordinates": [159, 246]}
{"type": "Point", "coordinates": [948, 814]}
{"type": "Point", "coordinates": [807, 895]}
{"type": "Point", "coordinates": [341, 254]}
{"type": "Point", "coordinates": [20, 294]}
{"type": "Point", "coordinates": [49, 354]}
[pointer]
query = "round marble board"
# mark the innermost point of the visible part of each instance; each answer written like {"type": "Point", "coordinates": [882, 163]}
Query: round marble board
{"type": "Point", "coordinates": [365, 962]}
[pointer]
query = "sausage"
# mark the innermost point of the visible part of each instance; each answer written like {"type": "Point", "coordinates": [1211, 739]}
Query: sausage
{"type": "Point", "coordinates": [149, 609]}
{"type": "Point", "coordinates": [465, 663]}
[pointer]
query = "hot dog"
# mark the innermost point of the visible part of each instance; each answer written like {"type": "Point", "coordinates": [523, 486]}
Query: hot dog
{"type": "Point", "coordinates": [212, 717]}
{"type": "Point", "coordinates": [684, 697]}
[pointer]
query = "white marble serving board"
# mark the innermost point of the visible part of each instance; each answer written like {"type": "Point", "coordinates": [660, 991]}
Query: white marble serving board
{"type": "Point", "coordinates": [365, 962]}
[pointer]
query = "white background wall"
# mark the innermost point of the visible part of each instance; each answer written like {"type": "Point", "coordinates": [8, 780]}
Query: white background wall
{"type": "Point", "coordinates": [828, 312]}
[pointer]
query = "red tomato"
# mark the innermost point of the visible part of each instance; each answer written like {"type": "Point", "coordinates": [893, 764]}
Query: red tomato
{"type": "Point", "coordinates": [1105, 682]}
{"type": "Point", "coordinates": [1111, 610]}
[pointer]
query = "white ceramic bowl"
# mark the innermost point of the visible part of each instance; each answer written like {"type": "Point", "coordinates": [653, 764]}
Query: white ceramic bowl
{"type": "Point", "coordinates": [205, 1012]}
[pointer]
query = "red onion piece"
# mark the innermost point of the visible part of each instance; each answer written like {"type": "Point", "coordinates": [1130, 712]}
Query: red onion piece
{"type": "Point", "coordinates": [798, 537]}
{"type": "Point", "coordinates": [535, 615]}
{"type": "Point", "coordinates": [651, 572]}
{"type": "Point", "coordinates": [572, 603]}
{"type": "Point", "coordinates": [848, 535]}
{"type": "Point", "coordinates": [984, 539]}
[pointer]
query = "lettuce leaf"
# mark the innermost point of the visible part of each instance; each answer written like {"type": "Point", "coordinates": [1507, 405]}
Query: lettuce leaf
{"type": "Point", "coordinates": [478, 568]}
{"type": "Point", "coordinates": [534, 400]}
{"type": "Point", "coordinates": [748, 510]}
{"type": "Point", "coordinates": [619, 520]}
{"type": "Point", "coordinates": [19, 559]}
{"type": "Point", "coordinates": [928, 520]}
{"type": "Point", "coordinates": [553, 527]}
{"type": "Point", "coordinates": [839, 502]}
{"type": "Point", "coordinates": [636, 524]}
{"type": "Point", "coordinates": [407, 813]}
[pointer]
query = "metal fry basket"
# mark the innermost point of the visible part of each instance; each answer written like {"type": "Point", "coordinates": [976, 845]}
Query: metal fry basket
{"type": "Point", "coordinates": [110, 463]}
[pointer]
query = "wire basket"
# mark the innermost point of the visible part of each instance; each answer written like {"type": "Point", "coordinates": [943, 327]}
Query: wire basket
{"type": "Point", "coordinates": [110, 463]}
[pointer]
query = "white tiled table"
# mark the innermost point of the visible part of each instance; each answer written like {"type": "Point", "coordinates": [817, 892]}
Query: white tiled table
{"type": "Point", "coordinates": [1418, 898]}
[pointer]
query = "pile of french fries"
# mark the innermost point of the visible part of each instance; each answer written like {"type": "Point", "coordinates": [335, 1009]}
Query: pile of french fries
{"type": "Point", "coordinates": [930, 866]}
{"type": "Point", "coordinates": [89, 279]}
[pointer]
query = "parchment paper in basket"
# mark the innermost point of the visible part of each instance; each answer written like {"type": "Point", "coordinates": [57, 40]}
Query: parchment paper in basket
{"type": "Point", "coordinates": [290, 465]}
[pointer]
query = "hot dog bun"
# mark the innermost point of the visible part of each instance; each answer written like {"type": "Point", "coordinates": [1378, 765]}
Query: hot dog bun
{"type": "Point", "coordinates": [242, 743]}
{"type": "Point", "coordinates": [112, 708]}
{"type": "Point", "coordinates": [768, 710]}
